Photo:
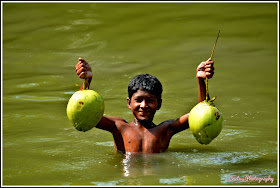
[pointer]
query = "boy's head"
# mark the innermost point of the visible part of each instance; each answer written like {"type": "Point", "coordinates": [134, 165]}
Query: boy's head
{"type": "Point", "coordinates": [145, 82]}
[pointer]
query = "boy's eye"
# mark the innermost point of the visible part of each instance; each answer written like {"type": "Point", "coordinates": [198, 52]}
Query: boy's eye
{"type": "Point", "coordinates": [138, 100]}
{"type": "Point", "coordinates": [150, 100]}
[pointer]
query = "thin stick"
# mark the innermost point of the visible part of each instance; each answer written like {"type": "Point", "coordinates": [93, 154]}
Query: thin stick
{"type": "Point", "coordinates": [214, 46]}
{"type": "Point", "coordinates": [207, 93]}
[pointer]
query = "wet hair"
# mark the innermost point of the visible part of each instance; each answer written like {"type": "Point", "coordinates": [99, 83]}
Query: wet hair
{"type": "Point", "coordinates": [145, 82]}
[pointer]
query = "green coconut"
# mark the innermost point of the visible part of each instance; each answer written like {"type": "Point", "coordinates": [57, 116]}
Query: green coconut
{"type": "Point", "coordinates": [205, 122]}
{"type": "Point", "coordinates": [85, 108]}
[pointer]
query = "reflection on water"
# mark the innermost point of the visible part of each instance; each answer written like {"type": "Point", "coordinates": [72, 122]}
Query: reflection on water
{"type": "Point", "coordinates": [184, 167]}
{"type": "Point", "coordinates": [126, 164]}
{"type": "Point", "coordinates": [140, 164]}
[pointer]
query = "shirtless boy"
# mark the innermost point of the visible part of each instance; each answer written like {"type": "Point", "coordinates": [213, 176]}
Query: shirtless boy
{"type": "Point", "coordinates": [144, 99]}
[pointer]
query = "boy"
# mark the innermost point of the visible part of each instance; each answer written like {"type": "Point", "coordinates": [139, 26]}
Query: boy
{"type": "Point", "coordinates": [142, 135]}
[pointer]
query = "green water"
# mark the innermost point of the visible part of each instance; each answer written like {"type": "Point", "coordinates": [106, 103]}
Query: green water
{"type": "Point", "coordinates": [42, 43]}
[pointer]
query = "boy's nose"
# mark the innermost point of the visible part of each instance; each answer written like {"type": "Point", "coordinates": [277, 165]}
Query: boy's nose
{"type": "Point", "coordinates": [143, 104]}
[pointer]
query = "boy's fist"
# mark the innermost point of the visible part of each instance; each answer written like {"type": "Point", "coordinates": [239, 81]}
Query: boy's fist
{"type": "Point", "coordinates": [83, 69]}
{"type": "Point", "coordinates": [205, 69]}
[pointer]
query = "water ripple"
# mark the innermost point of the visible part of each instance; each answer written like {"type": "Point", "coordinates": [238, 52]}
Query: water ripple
{"type": "Point", "coordinates": [180, 180]}
{"type": "Point", "coordinates": [40, 139]}
{"type": "Point", "coordinates": [108, 183]}
{"type": "Point", "coordinates": [86, 22]}
{"type": "Point", "coordinates": [219, 158]}
{"type": "Point", "coordinates": [27, 85]}
{"type": "Point", "coordinates": [38, 99]}
{"type": "Point", "coordinates": [108, 143]}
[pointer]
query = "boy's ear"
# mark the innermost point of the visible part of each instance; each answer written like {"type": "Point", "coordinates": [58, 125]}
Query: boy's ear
{"type": "Point", "coordinates": [128, 102]}
{"type": "Point", "coordinates": [159, 104]}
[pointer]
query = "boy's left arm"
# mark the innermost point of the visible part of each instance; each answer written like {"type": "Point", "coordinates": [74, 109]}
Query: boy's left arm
{"type": "Point", "coordinates": [204, 69]}
{"type": "Point", "coordinates": [178, 125]}
{"type": "Point", "coordinates": [84, 71]}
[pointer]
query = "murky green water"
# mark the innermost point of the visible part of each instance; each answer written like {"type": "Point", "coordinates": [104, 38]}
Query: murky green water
{"type": "Point", "coordinates": [42, 42]}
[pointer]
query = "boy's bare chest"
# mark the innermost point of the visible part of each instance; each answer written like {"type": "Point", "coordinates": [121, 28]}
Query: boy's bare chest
{"type": "Point", "coordinates": [140, 136]}
{"type": "Point", "coordinates": [145, 140]}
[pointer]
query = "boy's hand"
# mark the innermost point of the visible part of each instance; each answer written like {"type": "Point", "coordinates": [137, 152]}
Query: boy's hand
{"type": "Point", "coordinates": [205, 69]}
{"type": "Point", "coordinates": [83, 69]}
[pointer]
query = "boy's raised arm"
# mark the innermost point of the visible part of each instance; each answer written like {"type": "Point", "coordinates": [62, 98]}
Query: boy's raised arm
{"type": "Point", "coordinates": [108, 123]}
{"type": "Point", "coordinates": [84, 71]}
{"type": "Point", "coordinates": [204, 69]}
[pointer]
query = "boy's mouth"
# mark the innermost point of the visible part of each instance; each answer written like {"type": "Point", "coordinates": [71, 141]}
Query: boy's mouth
{"type": "Point", "coordinates": [143, 112]}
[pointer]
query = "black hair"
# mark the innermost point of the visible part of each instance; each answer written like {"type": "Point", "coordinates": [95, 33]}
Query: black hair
{"type": "Point", "coordinates": [145, 82]}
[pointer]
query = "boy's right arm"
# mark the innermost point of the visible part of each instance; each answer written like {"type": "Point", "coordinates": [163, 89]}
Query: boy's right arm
{"type": "Point", "coordinates": [84, 71]}
{"type": "Point", "coordinates": [109, 123]}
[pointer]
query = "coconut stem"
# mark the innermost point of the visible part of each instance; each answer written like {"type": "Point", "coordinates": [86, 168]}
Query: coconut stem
{"type": "Point", "coordinates": [85, 84]}
{"type": "Point", "coordinates": [211, 100]}
{"type": "Point", "coordinates": [207, 92]}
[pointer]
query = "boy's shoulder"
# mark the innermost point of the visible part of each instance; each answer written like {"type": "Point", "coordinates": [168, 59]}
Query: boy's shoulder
{"type": "Point", "coordinates": [121, 123]}
{"type": "Point", "coordinates": [167, 122]}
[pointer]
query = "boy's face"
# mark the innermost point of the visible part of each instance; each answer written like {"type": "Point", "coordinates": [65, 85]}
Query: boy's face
{"type": "Point", "coordinates": [143, 105]}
